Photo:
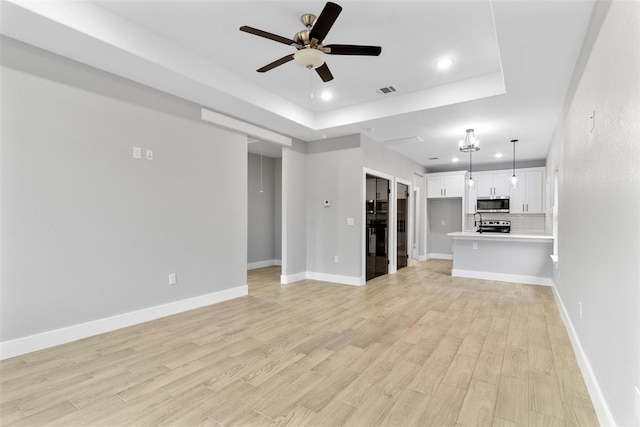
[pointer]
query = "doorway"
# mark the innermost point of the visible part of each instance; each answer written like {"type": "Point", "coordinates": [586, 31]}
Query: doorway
{"type": "Point", "coordinates": [402, 221]}
{"type": "Point", "coordinates": [377, 207]}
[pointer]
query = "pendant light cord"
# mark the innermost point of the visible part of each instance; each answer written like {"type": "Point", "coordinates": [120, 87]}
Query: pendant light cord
{"type": "Point", "coordinates": [514, 157]}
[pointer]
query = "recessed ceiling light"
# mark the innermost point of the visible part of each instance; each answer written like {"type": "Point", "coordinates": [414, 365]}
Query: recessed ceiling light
{"type": "Point", "coordinates": [326, 95]}
{"type": "Point", "coordinates": [455, 159]}
{"type": "Point", "coordinates": [444, 63]}
{"type": "Point", "coordinates": [498, 155]}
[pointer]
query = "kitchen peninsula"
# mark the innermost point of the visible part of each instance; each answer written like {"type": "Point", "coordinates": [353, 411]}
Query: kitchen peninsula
{"type": "Point", "coordinates": [507, 257]}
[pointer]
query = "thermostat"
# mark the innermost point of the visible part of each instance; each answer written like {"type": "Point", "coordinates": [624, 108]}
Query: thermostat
{"type": "Point", "coordinates": [326, 203]}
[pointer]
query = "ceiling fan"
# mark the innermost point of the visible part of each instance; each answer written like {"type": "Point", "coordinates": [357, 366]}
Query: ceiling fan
{"type": "Point", "coordinates": [309, 43]}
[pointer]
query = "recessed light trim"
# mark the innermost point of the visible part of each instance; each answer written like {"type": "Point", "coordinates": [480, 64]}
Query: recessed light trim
{"type": "Point", "coordinates": [455, 159]}
{"type": "Point", "coordinates": [498, 155]}
{"type": "Point", "coordinates": [326, 96]}
{"type": "Point", "coordinates": [444, 63]}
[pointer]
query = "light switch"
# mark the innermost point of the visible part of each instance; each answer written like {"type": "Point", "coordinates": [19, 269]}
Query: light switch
{"type": "Point", "coordinates": [351, 221]}
{"type": "Point", "coordinates": [137, 152]}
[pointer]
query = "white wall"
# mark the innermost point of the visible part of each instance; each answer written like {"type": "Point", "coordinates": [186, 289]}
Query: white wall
{"type": "Point", "coordinates": [87, 231]}
{"type": "Point", "coordinates": [599, 173]}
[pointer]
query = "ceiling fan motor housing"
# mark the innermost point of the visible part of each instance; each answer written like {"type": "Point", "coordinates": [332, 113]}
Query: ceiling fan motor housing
{"type": "Point", "coordinates": [302, 38]}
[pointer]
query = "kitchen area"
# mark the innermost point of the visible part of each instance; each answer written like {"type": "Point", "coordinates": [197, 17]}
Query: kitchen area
{"type": "Point", "coordinates": [491, 230]}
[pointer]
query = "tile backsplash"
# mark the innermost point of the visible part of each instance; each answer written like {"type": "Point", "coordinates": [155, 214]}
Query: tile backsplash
{"type": "Point", "coordinates": [528, 224]}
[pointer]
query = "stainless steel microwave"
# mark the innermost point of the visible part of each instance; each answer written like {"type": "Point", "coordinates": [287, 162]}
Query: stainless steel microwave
{"type": "Point", "coordinates": [493, 204]}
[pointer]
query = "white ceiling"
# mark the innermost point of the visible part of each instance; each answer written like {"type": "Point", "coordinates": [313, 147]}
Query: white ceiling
{"type": "Point", "coordinates": [512, 64]}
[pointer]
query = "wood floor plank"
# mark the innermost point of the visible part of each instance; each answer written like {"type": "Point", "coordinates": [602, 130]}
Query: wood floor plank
{"type": "Point", "coordinates": [513, 401]}
{"type": "Point", "coordinates": [488, 368]}
{"type": "Point", "coordinates": [544, 395]}
{"type": "Point", "coordinates": [416, 348]}
{"type": "Point", "coordinates": [407, 409]}
{"type": "Point", "coordinates": [478, 405]}
{"type": "Point", "coordinates": [443, 407]}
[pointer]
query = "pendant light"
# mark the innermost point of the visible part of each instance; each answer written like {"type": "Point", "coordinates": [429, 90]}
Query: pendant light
{"type": "Point", "coordinates": [470, 182]}
{"type": "Point", "coordinates": [469, 145]}
{"type": "Point", "coordinates": [513, 181]}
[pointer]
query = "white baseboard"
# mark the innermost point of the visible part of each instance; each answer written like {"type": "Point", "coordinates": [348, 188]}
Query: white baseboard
{"type": "Point", "coordinates": [597, 398]}
{"type": "Point", "coordinates": [83, 330]}
{"type": "Point", "coordinates": [335, 278]}
{"type": "Point", "coordinates": [322, 277]}
{"type": "Point", "coordinates": [423, 258]}
{"type": "Point", "coordinates": [262, 264]}
{"type": "Point", "coordinates": [439, 256]}
{"type": "Point", "coordinates": [291, 278]}
{"type": "Point", "coordinates": [501, 277]}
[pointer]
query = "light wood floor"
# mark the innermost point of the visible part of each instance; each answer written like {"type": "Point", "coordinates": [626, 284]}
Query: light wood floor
{"type": "Point", "coordinates": [415, 348]}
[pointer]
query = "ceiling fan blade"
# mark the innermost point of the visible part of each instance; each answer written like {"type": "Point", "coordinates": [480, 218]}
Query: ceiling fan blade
{"type": "Point", "coordinates": [325, 21]}
{"type": "Point", "coordinates": [351, 49]}
{"type": "Point", "coordinates": [276, 63]}
{"type": "Point", "coordinates": [267, 35]}
{"type": "Point", "coordinates": [324, 72]}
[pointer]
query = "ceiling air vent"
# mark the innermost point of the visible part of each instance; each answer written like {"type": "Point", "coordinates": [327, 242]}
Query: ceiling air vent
{"type": "Point", "coordinates": [434, 158]}
{"type": "Point", "coordinates": [386, 90]}
{"type": "Point", "coordinates": [408, 140]}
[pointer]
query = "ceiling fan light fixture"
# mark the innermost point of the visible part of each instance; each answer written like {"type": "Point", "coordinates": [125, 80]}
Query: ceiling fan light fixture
{"type": "Point", "coordinates": [309, 58]}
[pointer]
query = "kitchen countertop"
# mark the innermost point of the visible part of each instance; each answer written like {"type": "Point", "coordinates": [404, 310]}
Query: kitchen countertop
{"type": "Point", "coordinates": [507, 237]}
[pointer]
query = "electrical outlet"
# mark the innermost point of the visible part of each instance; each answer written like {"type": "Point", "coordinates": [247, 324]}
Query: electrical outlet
{"type": "Point", "coordinates": [580, 309]}
{"type": "Point", "coordinates": [475, 245]}
{"type": "Point", "coordinates": [172, 279]}
{"type": "Point", "coordinates": [149, 154]}
{"type": "Point", "coordinates": [336, 259]}
{"type": "Point", "coordinates": [442, 222]}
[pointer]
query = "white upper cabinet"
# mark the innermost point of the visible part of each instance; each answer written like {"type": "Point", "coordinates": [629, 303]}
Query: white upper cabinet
{"type": "Point", "coordinates": [445, 185]}
{"type": "Point", "coordinates": [528, 196]}
{"type": "Point", "coordinates": [492, 184]}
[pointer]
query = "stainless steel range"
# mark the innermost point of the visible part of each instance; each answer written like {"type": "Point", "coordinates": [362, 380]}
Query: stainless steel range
{"type": "Point", "coordinates": [493, 226]}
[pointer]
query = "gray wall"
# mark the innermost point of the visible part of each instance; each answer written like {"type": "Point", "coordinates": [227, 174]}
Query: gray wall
{"type": "Point", "coordinates": [262, 210]}
{"type": "Point", "coordinates": [377, 156]}
{"type": "Point", "coordinates": [449, 211]}
{"type": "Point", "coordinates": [334, 175]}
{"type": "Point", "coordinates": [87, 231]}
{"type": "Point", "coordinates": [294, 210]}
{"type": "Point", "coordinates": [277, 206]}
{"type": "Point", "coordinates": [599, 183]}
